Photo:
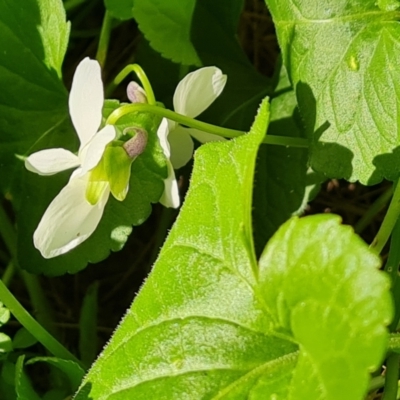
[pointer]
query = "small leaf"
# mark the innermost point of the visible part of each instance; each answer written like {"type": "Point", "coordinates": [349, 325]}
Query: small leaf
{"type": "Point", "coordinates": [5, 343]}
{"type": "Point", "coordinates": [343, 59]}
{"type": "Point", "coordinates": [23, 339]}
{"type": "Point", "coordinates": [4, 314]}
{"type": "Point", "coordinates": [54, 32]}
{"type": "Point", "coordinates": [166, 25]}
{"type": "Point", "coordinates": [71, 369]}
{"type": "Point", "coordinates": [23, 386]}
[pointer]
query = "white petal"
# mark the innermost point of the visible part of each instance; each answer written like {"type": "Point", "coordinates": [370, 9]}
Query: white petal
{"type": "Point", "coordinates": [198, 90]}
{"type": "Point", "coordinates": [86, 99]}
{"type": "Point", "coordinates": [181, 146]}
{"type": "Point", "coordinates": [91, 154]}
{"type": "Point", "coordinates": [69, 220]}
{"type": "Point", "coordinates": [162, 133]}
{"type": "Point", "coordinates": [204, 137]}
{"type": "Point", "coordinates": [51, 161]}
{"type": "Point", "coordinates": [170, 197]}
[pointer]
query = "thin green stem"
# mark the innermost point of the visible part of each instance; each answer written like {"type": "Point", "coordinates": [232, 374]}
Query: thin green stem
{"type": "Point", "coordinates": [7, 232]}
{"type": "Point", "coordinates": [43, 312]}
{"type": "Point", "coordinates": [32, 283]}
{"type": "Point", "coordinates": [376, 207]}
{"type": "Point", "coordinates": [137, 69]}
{"type": "Point", "coordinates": [203, 126]}
{"type": "Point", "coordinates": [104, 40]}
{"type": "Point", "coordinates": [8, 273]}
{"type": "Point", "coordinates": [392, 268]}
{"type": "Point", "coordinates": [70, 4]}
{"type": "Point", "coordinates": [388, 223]}
{"type": "Point", "coordinates": [36, 330]}
{"type": "Point", "coordinates": [391, 377]}
{"type": "Point", "coordinates": [376, 383]}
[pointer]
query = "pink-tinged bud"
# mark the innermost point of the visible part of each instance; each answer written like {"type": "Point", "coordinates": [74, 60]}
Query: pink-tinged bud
{"type": "Point", "coordinates": [137, 144]}
{"type": "Point", "coordinates": [136, 93]}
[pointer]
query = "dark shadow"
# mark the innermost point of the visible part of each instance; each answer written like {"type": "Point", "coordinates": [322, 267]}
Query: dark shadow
{"type": "Point", "coordinates": [330, 159]}
{"type": "Point", "coordinates": [386, 166]}
{"type": "Point", "coordinates": [213, 33]}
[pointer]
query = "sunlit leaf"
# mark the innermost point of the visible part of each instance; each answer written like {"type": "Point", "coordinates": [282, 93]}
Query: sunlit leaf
{"type": "Point", "coordinates": [343, 58]}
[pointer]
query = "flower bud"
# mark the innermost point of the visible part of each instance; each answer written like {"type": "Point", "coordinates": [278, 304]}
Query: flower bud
{"type": "Point", "coordinates": [136, 93]}
{"type": "Point", "coordinates": [137, 144]}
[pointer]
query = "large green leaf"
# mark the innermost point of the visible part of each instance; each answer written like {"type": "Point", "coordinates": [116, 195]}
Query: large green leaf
{"type": "Point", "coordinates": [343, 59]}
{"type": "Point", "coordinates": [322, 289]}
{"type": "Point", "coordinates": [166, 25]}
{"type": "Point", "coordinates": [146, 186]}
{"type": "Point", "coordinates": [33, 40]}
{"type": "Point", "coordinates": [208, 323]}
{"type": "Point", "coordinates": [195, 326]}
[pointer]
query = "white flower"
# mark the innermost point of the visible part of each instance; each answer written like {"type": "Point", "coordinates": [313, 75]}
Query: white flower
{"type": "Point", "coordinates": [71, 218]}
{"type": "Point", "coordinates": [193, 95]}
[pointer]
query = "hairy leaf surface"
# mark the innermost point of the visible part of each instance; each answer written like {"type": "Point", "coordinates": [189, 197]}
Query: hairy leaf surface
{"type": "Point", "coordinates": [343, 58]}
{"type": "Point", "coordinates": [210, 323]}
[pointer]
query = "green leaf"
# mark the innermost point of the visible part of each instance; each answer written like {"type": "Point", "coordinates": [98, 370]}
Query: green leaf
{"type": "Point", "coordinates": [71, 369]}
{"type": "Point", "coordinates": [146, 186]}
{"type": "Point", "coordinates": [54, 32]}
{"type": "Point", "coordinates": [5, 343]}
{"type": "Point", "coordinates": [23, 386]}
{"type": "Point", "coordinates": [23, 339]}
{"type": "Point", "coordinates": [196, 328]}
{"type": "Point", "coordinates": [322, 289]}
{"type": "Point", "coordinates": [121, 9]}
{"type": "Point", "coordinates": [4, 314]}
{"type": "Point", "coordinates": [33, 100]}
{"type": "Point", "coordinates": [342, 57]}
{"type": "Point", "coordinates": [209, 324]}
{"type": "Point", "coordinates": [166, 25]}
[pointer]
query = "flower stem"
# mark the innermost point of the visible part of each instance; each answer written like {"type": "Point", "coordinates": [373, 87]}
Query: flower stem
{"type": "Point", "coordinates": [32, 283]}
{"type": "Point", "coordinates": [372, 211]}
{"type": "Point", "coordinates": [36, 330]}
{"type": "Point", "coordinates": [203, 126]}
{"type": "Point", "coordinates": [388, 223]}
{"type": "Point", "coordinates": [391, 377]}
{"type": "Point", "coordinates": [137, 69]}
{"type": "Point", "coordinates": [104, 40]}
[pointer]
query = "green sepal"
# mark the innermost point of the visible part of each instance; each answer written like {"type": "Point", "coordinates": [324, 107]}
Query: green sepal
{"type": "Point", "coordinates": [117, 166]}
{"type": "Point", "coordinates": [97, 184]}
